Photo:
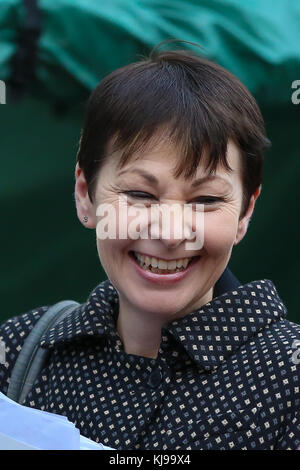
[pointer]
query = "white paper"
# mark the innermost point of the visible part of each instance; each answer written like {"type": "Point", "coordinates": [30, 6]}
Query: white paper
{"type": "Point", "coordinates": [88, 444]}
{"type": "Point", "coordinates": [24, 427]}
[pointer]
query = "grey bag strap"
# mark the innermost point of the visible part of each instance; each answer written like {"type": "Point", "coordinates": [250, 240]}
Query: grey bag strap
{"type": "Point", "coordinates": [32, 356]}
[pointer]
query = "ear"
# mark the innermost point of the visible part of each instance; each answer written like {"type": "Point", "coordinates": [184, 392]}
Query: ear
{"type": "Point", "coordinates": [84, 206]}
{"type": "Point", "coordinates": [244, 222]}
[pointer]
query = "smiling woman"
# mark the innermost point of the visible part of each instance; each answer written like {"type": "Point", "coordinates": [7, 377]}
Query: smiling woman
{"type": "Point", "coordinates": [170, 351]}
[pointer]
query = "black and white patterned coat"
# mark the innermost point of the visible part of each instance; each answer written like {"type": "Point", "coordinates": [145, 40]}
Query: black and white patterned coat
{"type": "Point", "coordinates": [226, 375]}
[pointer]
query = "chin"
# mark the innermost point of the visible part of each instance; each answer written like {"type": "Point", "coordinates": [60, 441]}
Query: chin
{"type": "Point", "coordinates": [164, 305]}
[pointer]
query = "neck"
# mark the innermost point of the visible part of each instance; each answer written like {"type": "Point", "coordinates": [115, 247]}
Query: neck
{"type": "Point", "coordinates": [140, 332]}
{"type": "Point", "coordinates": [140, 335]}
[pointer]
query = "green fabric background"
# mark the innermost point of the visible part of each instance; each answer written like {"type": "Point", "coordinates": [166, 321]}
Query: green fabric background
{"type": "Point", "coordinates": [46, 254]}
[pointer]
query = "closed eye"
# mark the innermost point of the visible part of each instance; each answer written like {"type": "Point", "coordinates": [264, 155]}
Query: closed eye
{"type": "Point", "coordinates": [139, 194]}
{"type": "Point", "coordinates": [208, 200]}
{"type": "Point", "coordinates": [200, 200]}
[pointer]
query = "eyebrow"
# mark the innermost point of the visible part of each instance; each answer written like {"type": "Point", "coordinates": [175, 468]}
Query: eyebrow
{"type": "Point", "coordinates": [154, 181]}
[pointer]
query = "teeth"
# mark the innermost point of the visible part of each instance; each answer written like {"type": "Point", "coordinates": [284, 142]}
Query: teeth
{"type": "Point", "coordinates": [172, 264]}
{"type": "Point", "coordinates": [162, 264]}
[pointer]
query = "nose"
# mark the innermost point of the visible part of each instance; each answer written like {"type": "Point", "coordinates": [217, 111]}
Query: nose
{"type": "Point", "coordinates": [172, 224]}
{"type": "Point", "coordinates": [171, 243]}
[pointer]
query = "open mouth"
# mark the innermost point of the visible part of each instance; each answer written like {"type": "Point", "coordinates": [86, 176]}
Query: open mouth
{"type": "Point", "coordinates": [147, 266]}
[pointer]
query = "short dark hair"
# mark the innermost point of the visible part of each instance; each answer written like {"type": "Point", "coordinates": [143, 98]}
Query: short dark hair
{"type": "Point", "coordinates": [200, 103]}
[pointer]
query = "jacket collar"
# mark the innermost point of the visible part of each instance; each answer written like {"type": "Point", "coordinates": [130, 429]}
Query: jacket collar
{"type": "Point", "coordinates": [209, 334]}
{"type": "Point", "coordinates": [220, 327]}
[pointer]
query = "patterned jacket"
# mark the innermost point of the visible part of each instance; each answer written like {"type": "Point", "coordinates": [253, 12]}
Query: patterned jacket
{"type": "Point", "coordinates": [226, 375]}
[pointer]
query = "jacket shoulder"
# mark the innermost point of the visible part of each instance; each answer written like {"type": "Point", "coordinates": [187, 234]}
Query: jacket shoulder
{"type": "Point", "coordinates": [283, 344]}
{"type": "Point", "coordinates": [286, 338]}
{"type": "Point", "coordinates": [13, 333]}
{"type": "Point", "coordinates": [287, 334]}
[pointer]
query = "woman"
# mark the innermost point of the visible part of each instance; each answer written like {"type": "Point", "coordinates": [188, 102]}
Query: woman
{"type": "Point", "coordinates": [170, 352]}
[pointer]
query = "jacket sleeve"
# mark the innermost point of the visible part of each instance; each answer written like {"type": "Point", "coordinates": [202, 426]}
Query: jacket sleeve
{"type": "Point", "coordinates": [13, 333]}
{"type": "Point", "coordinates": [288, 346]}
{"type": "Point", "coordinates": [289, 434]}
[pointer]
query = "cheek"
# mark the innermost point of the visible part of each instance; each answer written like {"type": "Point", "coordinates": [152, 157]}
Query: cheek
{"type": "Point", "coordinates": [132, 222]}
{"type": "Point", "coordinates": [111, 245]}
{"type": "Point", "coordinates": [112, 255]}
{"type": "Point", "coordinates": [219, 232]}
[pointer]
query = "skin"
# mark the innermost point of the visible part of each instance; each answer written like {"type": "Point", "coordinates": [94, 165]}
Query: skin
{"type": "Point", "coordinates": [145, 307]}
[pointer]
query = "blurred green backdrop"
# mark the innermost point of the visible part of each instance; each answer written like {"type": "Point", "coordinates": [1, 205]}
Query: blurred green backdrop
{"type": "Point", "coordinates": [46, 254]}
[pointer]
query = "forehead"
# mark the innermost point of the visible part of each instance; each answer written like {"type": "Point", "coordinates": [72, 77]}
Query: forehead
{"type": "Point", "coordinates": [162, 156]}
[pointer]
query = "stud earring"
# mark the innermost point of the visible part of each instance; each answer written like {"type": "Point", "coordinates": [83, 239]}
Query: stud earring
{"type": "Point", "coordinates": [85, 219]}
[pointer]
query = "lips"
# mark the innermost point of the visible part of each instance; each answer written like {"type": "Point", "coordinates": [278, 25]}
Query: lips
{"type": "Point", "coordinates": [168, 278]}
{"type": "Point", "coordinates": [153, 264]}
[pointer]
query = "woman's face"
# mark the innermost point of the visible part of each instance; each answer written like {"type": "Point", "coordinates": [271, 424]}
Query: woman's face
{"type": "Point", "coordinates": [167, 296]}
